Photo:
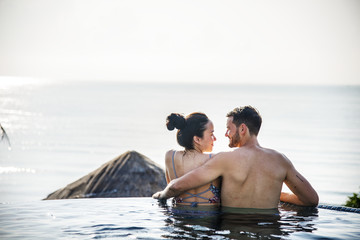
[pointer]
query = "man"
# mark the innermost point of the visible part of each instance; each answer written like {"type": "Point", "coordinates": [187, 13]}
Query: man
{"type": "Point", "coordinates": [252, 176]}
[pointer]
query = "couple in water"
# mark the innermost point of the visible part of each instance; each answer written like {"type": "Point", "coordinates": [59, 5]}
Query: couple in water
{"type": "Point", "coordinates": [250, 176]}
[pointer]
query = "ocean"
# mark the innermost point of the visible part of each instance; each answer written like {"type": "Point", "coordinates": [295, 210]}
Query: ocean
{"type": "Point", "coordinates": [60, 131]}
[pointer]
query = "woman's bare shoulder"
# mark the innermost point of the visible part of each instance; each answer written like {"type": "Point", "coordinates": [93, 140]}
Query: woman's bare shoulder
{"type": "Point", "coordinates": [169, 154]}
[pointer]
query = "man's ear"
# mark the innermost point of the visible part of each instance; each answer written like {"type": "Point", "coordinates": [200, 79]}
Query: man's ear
{"type": "Point", "coordinates": [242, 129]}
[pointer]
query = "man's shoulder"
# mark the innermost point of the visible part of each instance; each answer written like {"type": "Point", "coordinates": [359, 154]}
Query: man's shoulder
{"type": "Point", "coordinates": [228, 155]}
{"type": "Point", "coordinates": [272, 151]}
{"type": "Point", "coordinates": [277, 155]}
{"type": "Point", "coordinates": [230, 152]}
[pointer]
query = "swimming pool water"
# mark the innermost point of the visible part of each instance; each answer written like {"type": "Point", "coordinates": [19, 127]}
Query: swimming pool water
{"type": "Point", "coordinates": [144, 218]}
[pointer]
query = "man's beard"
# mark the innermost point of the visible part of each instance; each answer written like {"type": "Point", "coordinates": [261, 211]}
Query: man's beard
{"type": "Point", "coordinates": [235, 140]}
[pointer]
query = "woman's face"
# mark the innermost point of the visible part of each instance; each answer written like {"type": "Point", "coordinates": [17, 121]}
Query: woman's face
{"type": "Point", "coordinates": [207, 141]}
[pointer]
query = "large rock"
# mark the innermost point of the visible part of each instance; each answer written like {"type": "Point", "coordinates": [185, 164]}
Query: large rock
{"type": "Point", "coordinates": [129, 175]}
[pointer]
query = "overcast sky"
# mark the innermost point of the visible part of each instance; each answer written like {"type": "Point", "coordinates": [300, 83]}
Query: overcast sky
{"type": "Point", "coordinates": [301, 42]}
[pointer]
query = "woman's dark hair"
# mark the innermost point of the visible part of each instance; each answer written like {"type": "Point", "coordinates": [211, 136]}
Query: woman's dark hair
{"type": "Point", "coordinates": [247, 115]}
{"type": "Point", "coordinates": [188, 127]}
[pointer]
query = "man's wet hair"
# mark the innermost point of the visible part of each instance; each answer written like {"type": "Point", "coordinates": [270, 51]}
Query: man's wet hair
{"type": "Point", "coordinates": [247, 115]}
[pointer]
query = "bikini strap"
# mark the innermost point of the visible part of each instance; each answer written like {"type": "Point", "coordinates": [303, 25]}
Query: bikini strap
{"type": "Point", "coordinates": [197, 195]}
{"type": "Point", "coordinates": [174, 164]}
{"type": "Point", "coordinates": [209, 158]}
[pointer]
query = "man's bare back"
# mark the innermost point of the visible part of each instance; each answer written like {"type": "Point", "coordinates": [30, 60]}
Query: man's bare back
{"type": "Point", "coordinates": [254, 177]}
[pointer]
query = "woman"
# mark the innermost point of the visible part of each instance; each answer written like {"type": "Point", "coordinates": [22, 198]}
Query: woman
{"type": "Point", "coordinates": [196, 134]}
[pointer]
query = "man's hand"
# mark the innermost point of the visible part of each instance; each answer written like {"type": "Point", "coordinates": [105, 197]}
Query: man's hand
{"type": "Point", "coordinates": [168, 192]}
{"type": "Point", "coordinates": [157, 195]}
{"type": "Point", "coordinates": [162, 200]}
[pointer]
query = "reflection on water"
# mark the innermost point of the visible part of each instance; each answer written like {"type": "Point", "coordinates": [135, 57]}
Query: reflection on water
{"type": "Point", "coordinates": [187, 223]}
{"type": "Point", "coordinates": [144, 218]}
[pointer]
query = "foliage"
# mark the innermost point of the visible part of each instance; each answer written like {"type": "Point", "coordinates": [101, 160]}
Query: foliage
{"type": "Point", "coordinates": [353, 201]}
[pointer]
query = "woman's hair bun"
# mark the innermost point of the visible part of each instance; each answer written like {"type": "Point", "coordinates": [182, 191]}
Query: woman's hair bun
{"type": "Point", "coordinates": [175, 120]}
